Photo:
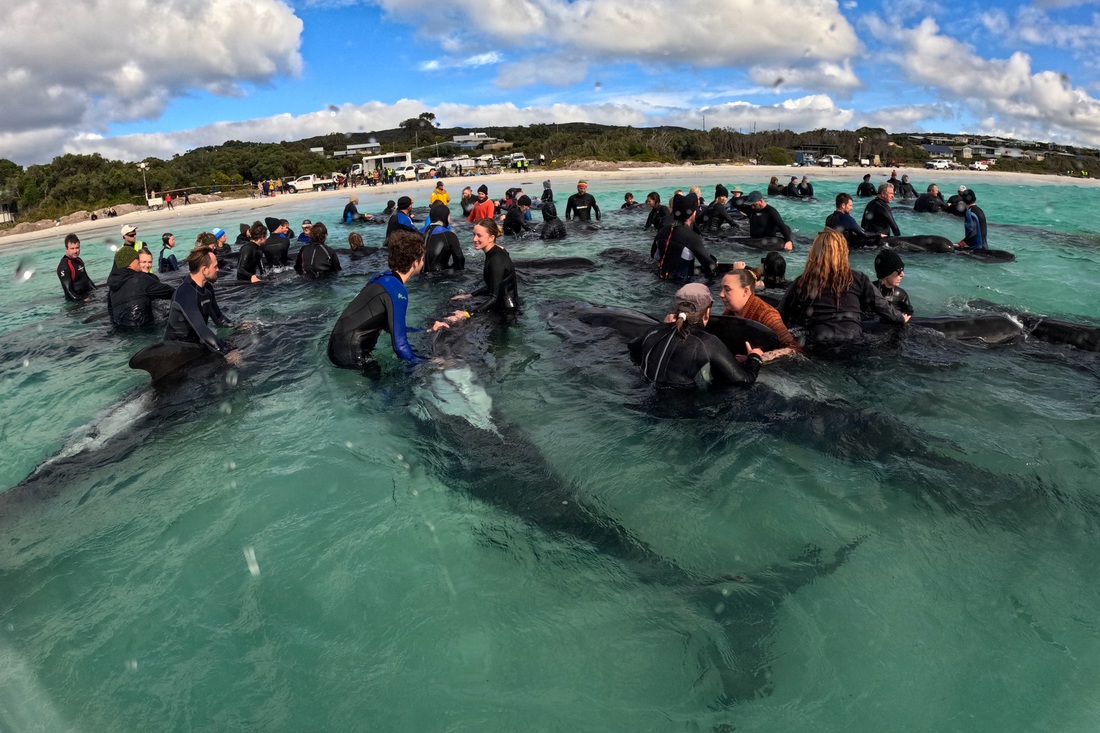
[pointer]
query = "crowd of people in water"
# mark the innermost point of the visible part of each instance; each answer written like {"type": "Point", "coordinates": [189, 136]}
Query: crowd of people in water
{"type": "Point", "coordinates": [827, 304]}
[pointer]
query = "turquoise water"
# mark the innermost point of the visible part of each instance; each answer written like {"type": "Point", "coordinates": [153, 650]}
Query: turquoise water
{"type": "Point", "coordinates": [384, 596]}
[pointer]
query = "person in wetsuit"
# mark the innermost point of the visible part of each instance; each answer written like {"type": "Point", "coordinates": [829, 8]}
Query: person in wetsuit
{"type": "Point", "coordinates": [131, 291]}
{"type": "Point", "coordinates": [791, 189]}
{"type": "Point", "coordinates": [764, 220]}
{"type": "Point", "coordinates": [890, 270]}
{"type": "Point", "coordinates": [442, 250]}
{"type": "Point", "coordinates": [243, 236]}
{"type": "Point", "coordinates": [221, 244]}
{"type": "Point", "coordinates": [905, 190]}
{"type": "Point", "coordinates": [581, 205]}
{"type": "Point", "coordinates": [774, 189]}
{"type": "Point", "coordinates": [629, 204]}
{"type": "Point", "coordinates": [877, 217]}
{"type": "Point", "coordinates": [973, 229]}
{"type": "Point", "coordinates": [659, 214]}
{"type": "Point", "coordinates": [866, 189]}
{"type": "Point", "coordinates": [351, 211]}
{"type": "Point", "coordinates": [930, 202]}
{"type": "Point", "coordinates": [381, 306]}
{"type": "Point", "coordinates": [75, 283]}
{"type": "Point", "coordinates": [194, 304]}
{"type": "Point", "coordinates": [499, 293]}
{"type": "Point", "coordinates": [250, 258]}
{"type": "Point", "coordinates": [682, 354]}
{"type": "Point", "coordinates": [678, 246]}
{"type": "Point", "coordinates": [829, 297]}
{"type": "Point", "coordinates": [774, 268]}
{"type": "Point", "coordinates": [167, 263]}
{"type": "Point", "coordinates": [276, 248]}
{"type": "Point", "coordinates": [717, 214]}
{"type": "Point", "coordinates": [316, 259]}
{"type": "Point", "coordinates": [515, 222]}
{"type": "Point", "coordinates": [303, 237]}
{"type": "Point", "coordinates": [955, 204]}
{"type": "Point", "coordinates": [805, 188]}
{"type": "Point", "coordinates": [552, 226]}
{"type": "Point", "coordinates": [842, 221]}
{"type": "Point", "coordinates": [401, 218]}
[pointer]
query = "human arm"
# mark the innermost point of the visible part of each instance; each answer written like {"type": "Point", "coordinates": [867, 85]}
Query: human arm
{"type": "Point", "coordinates": [871, 300]}
{"type": "Point", "coordinates": [595, 206]}
{"type": "Point", "coordinates": [396, 308]}
{"type": "Point", "coordinates": [569, 204]}
{"type": "Point", "coordinates": [725, 368]}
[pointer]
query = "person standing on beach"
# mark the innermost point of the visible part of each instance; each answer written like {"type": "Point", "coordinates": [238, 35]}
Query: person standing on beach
{"type": "Point", "coordinates": [75, 282]}
{"type": "Point", "coordinates": [581, 204]}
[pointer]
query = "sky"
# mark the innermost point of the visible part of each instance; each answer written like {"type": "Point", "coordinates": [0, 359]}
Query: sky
{"type": "Point", "coordinates": [135, 78]}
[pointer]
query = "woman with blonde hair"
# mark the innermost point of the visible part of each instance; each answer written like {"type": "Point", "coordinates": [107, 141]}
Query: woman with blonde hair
{"type": "Point", "coordinates": [829, 297]}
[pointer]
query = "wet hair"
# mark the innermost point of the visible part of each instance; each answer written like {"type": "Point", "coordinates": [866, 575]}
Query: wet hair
{"type": "Point", "coordinates": [318, 233]}
{"type": "Point", "coordinates": [71, 239]}
{"type": "Point", "coordinates": [490, 225]}
{"type": "Point", "coordinates": [628, 196]}
{"type": "Point", "coordinates": [654, 197]}
{"type": "Point", "coordinates": [199, 258]}
{"type": "Point", "coordinates": [355, 240]}
{"type": "Point", "coordinates": [165, 237]}
{"type": "Point", "coordinates": [774, 267]}
{"type": "Point", "coordinates": [206, 239]}
{"type": "Point", "coordinates": [404, 249]}
{"type": "Point", "coordinates": [842, 198]}
{"type": "Point", "coordinates": [257, 231]}
{"type": "Point", "coordinates": [884, 187]}
{"type": "Point", "coordinates": [827, 267]}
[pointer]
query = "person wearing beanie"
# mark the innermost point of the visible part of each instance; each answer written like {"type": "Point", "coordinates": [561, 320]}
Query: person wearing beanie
{"type": "Point", "coordinates": [791, 188]}
{"type": "Point", "coordinates": [167, 263]}
{"type": "Point", "coordinates": [805, 188]}
{"type": "Point", "coordinates": [866, 189]}
{"type": "Point", "coordinates": [680, 353]}
{"type": "Point", "coordinates": [243, 236]}
{"type": "Point", "coordinates": [718, 213]}
{"type": "Point", "coordinates": [483, 208]}
{"type": "Point", "coordinates": [402, 217]}
{"type": "Point", "coordinates": [221, 246]}
{"type": "Point", "coordinates": [842, 221]}
{"type": "Point", "coordinates": [581, 205]}
{"type": "Point", "coordinates": [72, 273]}
{"type": "Point", "coordinates": [955, 204]}
{"type": "Point", "coordinates": [552, 226]}
{"type": "Point", "coordinates": [131, 292]}
{"type": "Point", "coordinates": [442, 250]}
{"type": "Point", "coordinates": [439, 194]}
{"type": "Point", "coordinates": [889, 269]}
{"type": "Point", "coordinates": [515, 222]}
{"type": "Point", "coordinates": [764, 220]}
{"type": "Point", "coordinates": [973, 226]}
{"type": "Point", "coordinates": [678, 246]}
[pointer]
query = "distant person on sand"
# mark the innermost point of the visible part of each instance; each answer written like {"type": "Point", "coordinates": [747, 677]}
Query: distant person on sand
{"type": "Point", "coordinates": [75, 282]}
{"type": "Point", "coordinates": [581, 204]}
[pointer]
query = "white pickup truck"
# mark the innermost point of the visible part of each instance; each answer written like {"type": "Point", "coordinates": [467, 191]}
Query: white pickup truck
{"type": "Point", "coordinates": [939, 164]}
{"type": "Point", "coordinates": [311, 183]}
{"type": "Point", "coordinates": [832, 161]}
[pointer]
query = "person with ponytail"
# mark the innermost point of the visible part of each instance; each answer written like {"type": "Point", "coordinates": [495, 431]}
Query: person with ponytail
{"type": "Point", "coordinates": [679, 353]}
{"type": "Point", "coordinates": [829, 297]}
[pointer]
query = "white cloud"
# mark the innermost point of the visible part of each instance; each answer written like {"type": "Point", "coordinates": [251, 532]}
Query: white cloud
{"type": "Point", "coordinates": [806, 113]}
{"type": "Point", "coordinates": [905, 117]}
{"type": "Point", "coordinates": [826, 75]}
{"type": "Point", "coordinates": [1041, 105]}
{"type": "Point", "coordinates": [470, 62]}
{"type": "Point", "coordinates": [84, 65]}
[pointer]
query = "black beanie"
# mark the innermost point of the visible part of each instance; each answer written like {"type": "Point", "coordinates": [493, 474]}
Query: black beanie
{"type": "Point", "coordinates": [483, 189]}
{"type": "Point", "coordinates": [721, 190]}
{"type": "Point", "coordinates": [684, 206]}
{"type": "Point", "coordinates": [887, 263]}
{"type": "Point", "coordinates": [524, 200]}
{"type": "Point", "coordinates": [440, 212]}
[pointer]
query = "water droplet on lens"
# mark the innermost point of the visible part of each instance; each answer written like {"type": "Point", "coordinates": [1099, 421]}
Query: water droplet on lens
{"type": "Point", "coordinates": [400, 457]}
{"type": "Point", "coordinates": [1050, 208]}
{"type": "Point", "coordinates": [24, 270]}
{"type": "Point", "coordinates": [777, 83]}
{"type": "Point", "coordinates": [131, 664]}
{"type": "Point", "coordinates": [348, 445]}
{"type": "Point", "coordinates": [226, 408]}
{"type": "Point", "coordinates": [230, 466]}
{"type": "Point", "coordinates": [26, 362]}
{"type": "Point", "coordinates": [598, 85]}
{"type": "Point", "coordinates": [431, 527]}
{"type": "Point", "coordinates": [250, 559]}
{"type": "Point", "coordinates": [231, 378]}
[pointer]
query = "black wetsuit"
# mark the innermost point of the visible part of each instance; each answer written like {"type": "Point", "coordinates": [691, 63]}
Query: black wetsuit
{"type": "Point", "coordinates": [380, 306]}
{"type": "Point", "coordinates": [351, 213]}
{"type": "Point", "coordinates": [276, 250]}
{"type": "Point", "coordinates": [896, 297]}
{"type": "Point", "coordinates": [169, 263]}
{"type": "Point", "coordinates": [191, 308]}
{"type": "Point", "coordinates": [580, 207]}
{"type": "Point", "coordinates": [442, 250]}
{"type": "Point", "coordinates": [676, 248]}
{"type": "Point", "coordinates": [400, 221]}
{"type": "Point", "coordinates": [249, 261]}
{"type": "Point", "coordinates": [846, 225]}
{"type": "Point", "coordinates": [514, 223]}
{"type": "Point", "coordinates": [955, 206]}
{"type": "Point", "coordinates": [130, 296]}
{"type": "Point", "coordinates": [867, 190]}
{"type": "Point", "coordinates": [668, 359]}
{"type": "Point", "coordinates": [905, 190]}
{"type": "Point", "coordinates": [500, 284]}
{"type": "Point", "coordinates": [714, 216]}
{"type": "Point", "coordinates": [928, 203]}
{"type": "Point", "coordinates": [833, 317]}
{"type": "Point", "coordinates": [659, 216]}
{"type": "Point", "coordinates": [791, 190]}
{"type": "Point", "coordinates": [766, 222]}
{"type": "Point", "coordinates": [552, 226]}
{"type": "Point", "coordinates": [806, 190]}
{"type": "Point", "coordinates": [316, 260]}
{"type": "Point", "coordinates": [879, 219]}
{"type": "Point", "coordinates": [774, 189]}
{"type": "Point", "coordinates": [75, 282]}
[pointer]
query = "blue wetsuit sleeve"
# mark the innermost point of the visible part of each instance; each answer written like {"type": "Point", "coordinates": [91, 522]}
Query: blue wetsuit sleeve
{"type": "Point", "coordinates": [972, 232]}
{"type": "Point", "coordinates": [397, 308]}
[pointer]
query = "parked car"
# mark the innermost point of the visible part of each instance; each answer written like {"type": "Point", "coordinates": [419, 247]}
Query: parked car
{"type": "Point", "coordinates": [833, 161]}
{"type": "Point", "coordinates": [939, 164]}
{"type": "Point", "coordinates": [309, 183]}
{"type": "Point", "coordinates": [407, 173]}
{"type": "Point", "coordinates": [979, 165]}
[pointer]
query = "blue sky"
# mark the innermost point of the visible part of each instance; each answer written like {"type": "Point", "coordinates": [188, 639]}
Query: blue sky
{"type": "Point", "coordinates": [199, 73]}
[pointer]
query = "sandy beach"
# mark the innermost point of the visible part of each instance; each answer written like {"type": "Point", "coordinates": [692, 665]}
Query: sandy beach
{"type": "Point", "coordinates": [564, 180]}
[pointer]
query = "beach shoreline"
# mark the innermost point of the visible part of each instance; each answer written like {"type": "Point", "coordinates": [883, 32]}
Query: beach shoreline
{"type": "Point", "coordinates": [564, 180]}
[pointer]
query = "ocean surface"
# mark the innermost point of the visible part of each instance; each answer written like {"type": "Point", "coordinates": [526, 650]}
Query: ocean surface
{"type": "Point", "coordinates": [903, 541]}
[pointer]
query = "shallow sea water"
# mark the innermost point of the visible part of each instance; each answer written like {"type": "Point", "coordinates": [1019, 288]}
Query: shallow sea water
{"type": "Point", "coordinates": [292, 547]}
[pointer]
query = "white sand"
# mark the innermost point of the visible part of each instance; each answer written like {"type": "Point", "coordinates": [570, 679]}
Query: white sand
{"type": "Point", "coordinates": [565, 180]}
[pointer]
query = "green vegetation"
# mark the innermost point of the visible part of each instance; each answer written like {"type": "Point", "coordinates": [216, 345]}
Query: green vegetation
{"type": "Point", "coordinates": [74, 182]}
